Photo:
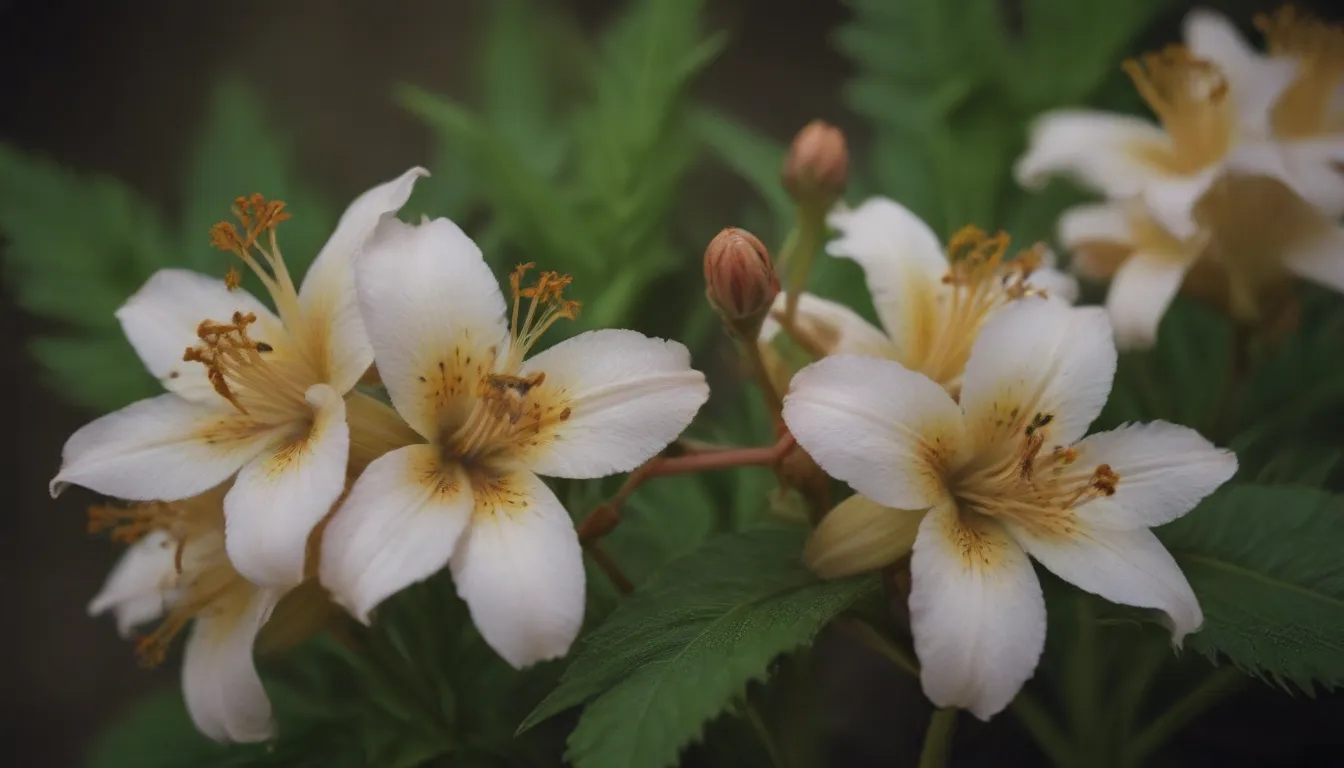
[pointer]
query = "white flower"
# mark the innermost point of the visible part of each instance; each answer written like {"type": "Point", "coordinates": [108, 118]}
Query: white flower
{"type": "Point", "coordinates": [1307, 118]}
{"type": "Point", "coordinates": [600, 403]}
{"type": "Point", "coordinates": [1212, 121]}
{"type": "Point", "coordinates": [258, 394]}
{"type": "Point", "coordinates": [977, 487]}
{"type": "Point", "coordinates": [177, 570]}
{"type": "Point", "coordinates": [930, 308]}
{"type": "Point", "coordinates": [1253, 235]}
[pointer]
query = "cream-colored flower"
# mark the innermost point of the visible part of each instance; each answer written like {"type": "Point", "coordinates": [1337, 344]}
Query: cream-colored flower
{"type": "Point", "coordinates": [931, 302]}
{"type": "Point", "coordinates": [258, 394]}
{"type": "Point", "coordinates": [971, 489]}
{"type": "Point", "coordinates": [491, 420]}
{"type": "Point", "coordinates": [1213, 120]}
{"type": "Point", "coordinates": [177, 571]}
{"type": "Point", "coordinates": [1254, 234]}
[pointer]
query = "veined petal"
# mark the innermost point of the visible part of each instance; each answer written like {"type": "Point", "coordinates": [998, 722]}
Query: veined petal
{"type": "Point", "coordinates": [902, 260]}
{"type": "Point", "coordinates": [619, 398]}
{"type": "Point", "coordinates": [435, 315]}
{"type": "Point", "coordinates": [1038, 360]}
{"type": "Point", "coordinates": [520, 570]}
{"type": "Point", "coordinates": [890, 433]}
{"type": "Point", "coordinates": [1254, 81]}
{"type": "Point", "coordinates": [164, 447]}
{"type": "Point", "coordinates": [283, 493]}
{"type": "Point", "coordinates": [1164, 470]}
{"type": "Point", "coordinates": [327, 299]}
{"type": "Point", "coordinates": [1141, 291]}
{"type": "Point", "coordinates": [219, 679]}
{"type": "Point", "coordinates": [1320, 258]}
{"type": "Point", "coordinates": [161, 318]}
{"type": "Point", "coordinates": [1127, 567]}
{"type": "Point", "coordinates": [399, 525]}
{"type": "Point", "coordinates": [138, 587]}
{"type": "Point", "coordinates": [976, 612]}
{"type": "Point", "coordinates": [1102, 150]}
{"type": "Point", "coordinates": [860, 535]}
{"type": "Point", "coordinates": [837, 329]}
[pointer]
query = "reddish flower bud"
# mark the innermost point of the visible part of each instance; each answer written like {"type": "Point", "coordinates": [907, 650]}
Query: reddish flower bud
{"type": "Point", "coordinates": [817, 165]}
{"type": "Point", "coordinates": [740, 278]}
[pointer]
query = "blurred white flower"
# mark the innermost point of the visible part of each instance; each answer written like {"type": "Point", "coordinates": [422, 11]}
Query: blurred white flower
{"type": "Point", "coordinates": [973, 489]}
{"type": "Point", "coordinates": [930, 307]}
{"type": "Point", "coordinates": [469, 496]}
{"type": "Point", "coordinates": [257, 394]}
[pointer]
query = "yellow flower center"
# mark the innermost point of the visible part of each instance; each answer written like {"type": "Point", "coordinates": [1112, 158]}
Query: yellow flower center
{"type": "Point", "coordinates": [204, 583]}
{"type": "Point", "coordinates": [1309, 106]}
{"type": "Point", "coordinates": [982, 279]}
{"type": "Point", "coordinates": [509, 408]}
{"type": "Point", "coordinates": [1189, 96]}
{"type": "Point", "coordinates": [1026, 485]}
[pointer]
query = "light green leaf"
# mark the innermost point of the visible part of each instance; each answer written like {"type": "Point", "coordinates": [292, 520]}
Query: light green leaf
{"type": "Point", "coordinates": [687, 642]}
{"type": "Point", "coordinates": [1265, 563]}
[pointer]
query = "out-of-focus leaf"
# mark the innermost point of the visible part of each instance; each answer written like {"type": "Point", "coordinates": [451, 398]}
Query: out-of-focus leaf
{"type": "Point", "coordinates": [755, 158]}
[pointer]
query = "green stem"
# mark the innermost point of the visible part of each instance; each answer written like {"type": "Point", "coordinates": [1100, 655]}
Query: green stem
{"type": "Point", "coordinates": [1210, 691]}
{"type": "Point", "coordinates": [763, 734]}
{"type": "Point", "coordinates": [1043, 729]}
{"type": "Point", "coordinates": [799, 249]}
{"type": "Point", "coordinates": [938, 739]}
{"type": "Point", "coordinates": [1082, 678]}
{"type": "Point", "coordinates": [871, 637]}
{"type": "Point", "coordinates": [1147, 660]}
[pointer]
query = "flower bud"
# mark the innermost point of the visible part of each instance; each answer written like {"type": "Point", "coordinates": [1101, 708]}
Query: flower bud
{"type": "Point", "coordinates": [817, 165]}
{"type": "Point", "coordinates": [740, 278]}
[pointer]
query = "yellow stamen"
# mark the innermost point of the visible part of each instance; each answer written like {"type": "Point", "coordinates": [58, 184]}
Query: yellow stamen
{"type": "Point", "coordinates": [259, 219]}
{"type": "Point", "coordinates": [237, 369]}
{"type": "Point", "coordinates": [1189, 96]}
{"type": "Point", "coordinates": [1308, 106]}
{"type": "Point", "coordinates": [547, 306]}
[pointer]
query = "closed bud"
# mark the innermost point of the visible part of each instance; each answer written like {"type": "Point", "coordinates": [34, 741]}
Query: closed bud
{"type": "Point", "coordinates": [817, 165]}
{"type": "Point", "coordinates": [740, 278]}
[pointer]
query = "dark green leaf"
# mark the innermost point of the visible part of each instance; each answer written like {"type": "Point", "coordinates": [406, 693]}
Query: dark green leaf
{"type": "Point", "coordinates": [680, 649]}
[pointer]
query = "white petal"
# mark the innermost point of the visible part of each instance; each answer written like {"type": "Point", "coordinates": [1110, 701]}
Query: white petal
{"type": "Point", "coordinates": [520, 569]}
{"type": "Point", "coordinates": [1057, 285]}
{"type": "Point", "coordinates": [627, 397]}
{"type": "Point", "coordinates": [327, 297]}
{"type": "Point", "coordinates": [283, 493]}
{"type": "Point", "coordinates": [1099, 149]}
{"type": "Point", "coordinates": [434, 312]}
{"type": "Point", "coordinates": [223, 691]}
{"type": "Point", "coordinates": [1171, 201]}
{"type": "Point", "coordinates": [1141, 291]}
{"type": "Point", "coordinates": [1254, 81]}
{"type": "Point", "coordinates": [887, 431]}
{"type": "Point", "coordinates": [1127, 567]}
{"type": "Point", "coordinates": [164, 447]}
{"type": "Point", "coordinates": [1165, 470]}
{"type": "Point", "coordinates": [138, 587]}
{"type": "Point", "coordinates": [1095, 222]}
{"type": "Point", "coordinates": [1038, 357]}
{"type": "Point", "coordinates": [399, 525]}
{"type": "Point", "coordinates": [161, 318]}
{"type": "Point", "coordinates": [1320, 258]}
{"type": "Point", "coordinates": [1316, 165]}
{"type": "Point", "coordinates": [860, 535]}
{"type": "Point", "coordinates": [902, 260]}
{"type": "Point", "coordinates": [976, 612]}
{"type": "Point", "coordinates": [837, 328]}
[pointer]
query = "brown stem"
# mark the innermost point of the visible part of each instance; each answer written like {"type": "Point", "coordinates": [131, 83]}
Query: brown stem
{"type": "Point", "coordinates": [609, 567]}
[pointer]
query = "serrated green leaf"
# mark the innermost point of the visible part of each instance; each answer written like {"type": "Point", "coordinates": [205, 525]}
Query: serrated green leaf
{"type": "Point", "coordinates": [238, 154]}
{"type": "Point", "coordinates": [1265, 564]}
{"type": "Point", "coordinates": [688, 641]}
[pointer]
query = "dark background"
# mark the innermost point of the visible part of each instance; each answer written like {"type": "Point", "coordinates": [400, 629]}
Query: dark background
{"type": "Point", "coordinates": [121, 87]}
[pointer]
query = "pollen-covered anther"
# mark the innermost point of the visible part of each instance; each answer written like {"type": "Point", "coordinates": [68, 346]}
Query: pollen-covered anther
{"type": "Point", "coordinates": [508, 393]}
{"type": "Point", "coordinates": [1189, 96]}
{"type": "Point", "coordinates": [258, 215]}
{"type": "Point", "coordinates": [975, 255]}
{"type": "Point", "coordinates": [1289, 32]}
{"type": "Point", "coordinates": [127, 525]}
{"type": "Point", "coordinates": [224, 345]}
{"type": "Point", "coordinates": [547, 305]}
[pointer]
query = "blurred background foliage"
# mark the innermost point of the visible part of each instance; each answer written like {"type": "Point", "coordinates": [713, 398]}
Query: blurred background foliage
{"type": "Point", "coordinates": [611, 141]}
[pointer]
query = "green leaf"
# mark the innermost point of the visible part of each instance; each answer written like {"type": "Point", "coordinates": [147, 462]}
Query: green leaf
{"type": "Point", "coordinates": [239, 154]}
{"type": "Point", "coordinates": [1265, 564]}
{"type": "Point", "coordinates": [75, 247]}
{"type": "Point", "coordinates": [687, 642]}
{"type": "Point", "coordinates": [755, 158]}
{"type": "Point", "coordinates": [155, 733]}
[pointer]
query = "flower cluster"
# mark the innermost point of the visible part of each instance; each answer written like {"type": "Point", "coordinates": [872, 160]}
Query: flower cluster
{"type": "Point", "coordinates": [271, 484]}
{"type": "Point", "coordinates": [1235, 192]}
